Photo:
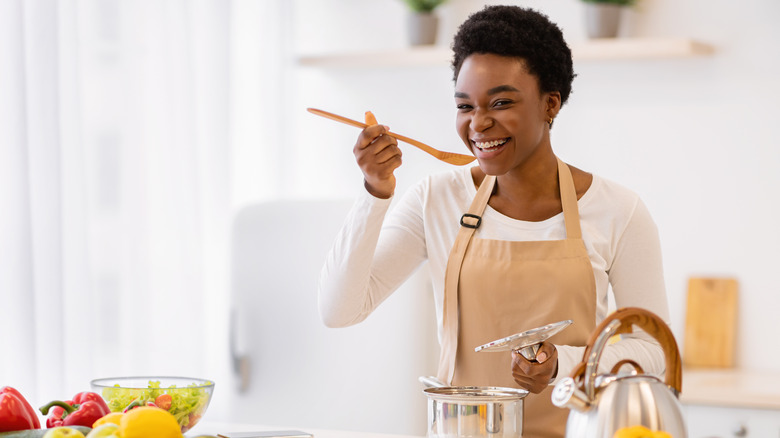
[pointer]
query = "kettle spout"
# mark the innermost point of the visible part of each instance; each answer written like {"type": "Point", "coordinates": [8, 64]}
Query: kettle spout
{"type": "Point", "coordinates": [566, 394]}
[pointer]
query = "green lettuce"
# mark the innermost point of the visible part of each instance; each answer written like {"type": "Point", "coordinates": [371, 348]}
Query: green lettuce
{"type": "Point", "coordinates": [187, 403]}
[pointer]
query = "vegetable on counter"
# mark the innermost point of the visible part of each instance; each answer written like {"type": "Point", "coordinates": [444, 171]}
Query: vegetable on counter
{"type": "Point", "coordinates": [149, 421]}
{"type": "Point", "coordinates": [639, 431]}
{"type": "Point", "coordinates": [108, 430]}
{"type": "Point", "coordinates": [112, 418]}
{"type": "Point", "coordinates": [83, 410]}
{"type": "Point", "coordinates": [63, 432]}
{"type": "Point", "coordinates": [38, 433]}
{"type": "Point", "coordinates": [15, 412]}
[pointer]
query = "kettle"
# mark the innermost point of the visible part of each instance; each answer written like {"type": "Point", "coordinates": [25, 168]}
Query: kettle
{"type": "Point", "coordinates": [605, 406]}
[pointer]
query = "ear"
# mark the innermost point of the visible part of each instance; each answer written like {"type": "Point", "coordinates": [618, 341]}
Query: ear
{"type": "Point", "coordinates": [552, 103]}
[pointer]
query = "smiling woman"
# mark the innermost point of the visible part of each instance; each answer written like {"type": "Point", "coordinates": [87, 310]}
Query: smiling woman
{"type": "Point", "coordinates": [520, 241]}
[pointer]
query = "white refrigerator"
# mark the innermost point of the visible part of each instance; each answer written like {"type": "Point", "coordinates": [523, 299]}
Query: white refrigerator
{"type": "Point", "coordinates": [291, 370]}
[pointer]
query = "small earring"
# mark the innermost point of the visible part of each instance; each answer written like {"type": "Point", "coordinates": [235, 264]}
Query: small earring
{"type": "Point", "coordinates": [549, 122]}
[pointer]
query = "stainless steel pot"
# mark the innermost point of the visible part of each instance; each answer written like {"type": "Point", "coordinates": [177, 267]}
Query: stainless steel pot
{"type": "Point", "coordinates": [471, 411]}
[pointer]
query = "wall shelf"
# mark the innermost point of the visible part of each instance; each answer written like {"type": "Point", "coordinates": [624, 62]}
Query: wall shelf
{"type": "Point", "coordinates": [731, 387]}
{"type": "Point", "coordinates": [590, 50]}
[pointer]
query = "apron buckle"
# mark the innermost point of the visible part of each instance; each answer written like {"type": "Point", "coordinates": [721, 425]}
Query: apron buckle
{"type": "Point", "coordinates": [472, 225]}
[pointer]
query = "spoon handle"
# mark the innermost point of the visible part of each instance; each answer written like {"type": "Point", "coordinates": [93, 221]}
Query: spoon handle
{"type": "Point", "coordinates": [447, 157]}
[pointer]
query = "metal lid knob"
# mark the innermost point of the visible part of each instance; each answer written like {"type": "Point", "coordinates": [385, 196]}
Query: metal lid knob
{"type": "Point", "coordinates": [566, 394]}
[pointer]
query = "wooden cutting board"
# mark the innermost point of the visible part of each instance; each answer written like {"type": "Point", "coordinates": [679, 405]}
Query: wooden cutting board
{"type": "Point", "coordinates": [710, 323]}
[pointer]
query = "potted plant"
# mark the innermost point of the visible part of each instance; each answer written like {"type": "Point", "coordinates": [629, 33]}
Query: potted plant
{"type": "Point", "coordinates": [602, 17]}
{"type": "Point", "coordinates": [422, 23]}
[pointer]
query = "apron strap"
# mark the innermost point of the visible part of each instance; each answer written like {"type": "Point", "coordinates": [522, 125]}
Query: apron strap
{"type": "Point", "coordinates": [571, 213]}
{"type": "Point", "coordinates": [469, 223]}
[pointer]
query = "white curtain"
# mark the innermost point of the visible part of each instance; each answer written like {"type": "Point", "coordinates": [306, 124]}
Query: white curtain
{"type": "Point", "coordinates": [115, 195]}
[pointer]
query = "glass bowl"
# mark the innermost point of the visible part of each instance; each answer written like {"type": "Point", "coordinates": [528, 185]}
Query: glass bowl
{"type": "Point", "coordinates": [185, 397]}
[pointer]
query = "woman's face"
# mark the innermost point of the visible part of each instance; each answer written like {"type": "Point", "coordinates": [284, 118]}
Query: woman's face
{"type": "Point", "coordinates": [502, 115]}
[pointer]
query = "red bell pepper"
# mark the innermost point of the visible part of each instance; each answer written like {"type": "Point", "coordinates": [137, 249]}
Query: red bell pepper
{"type": "Point", "coordinates": [15, 412]}
{"type": "Point", "coordinates": [91, 396]}
{"type": "Point", "coordinates": [83, 410]}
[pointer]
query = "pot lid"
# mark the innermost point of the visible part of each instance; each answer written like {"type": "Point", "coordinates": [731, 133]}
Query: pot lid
{"type": "Point", "coordinates": [527, 338]}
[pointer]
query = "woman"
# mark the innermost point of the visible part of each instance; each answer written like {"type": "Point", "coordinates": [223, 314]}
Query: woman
{"type": "Point", "coordinates": [519, 241]}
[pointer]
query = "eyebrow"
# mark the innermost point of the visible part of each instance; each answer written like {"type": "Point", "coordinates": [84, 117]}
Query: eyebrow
{"type": "Point", "coordinates": [492, 91]}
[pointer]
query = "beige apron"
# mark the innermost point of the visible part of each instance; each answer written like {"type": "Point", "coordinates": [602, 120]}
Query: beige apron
{"type": "Point", "coordinates": [496, 288]}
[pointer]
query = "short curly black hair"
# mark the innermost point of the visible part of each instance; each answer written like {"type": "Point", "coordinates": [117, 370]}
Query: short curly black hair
{"type": "Point", "coordinates": [518, 32]}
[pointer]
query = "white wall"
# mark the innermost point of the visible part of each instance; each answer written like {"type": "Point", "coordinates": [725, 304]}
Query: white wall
{"type": "Point", "coordinates": [696, 138]}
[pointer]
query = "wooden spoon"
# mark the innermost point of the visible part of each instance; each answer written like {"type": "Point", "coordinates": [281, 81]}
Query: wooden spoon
{"type": "Point", "coordinates": [447, 157]}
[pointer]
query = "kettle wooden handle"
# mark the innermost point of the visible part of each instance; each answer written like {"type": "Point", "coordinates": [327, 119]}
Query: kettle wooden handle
{"type": "Point", "coordinates": [650, 323]}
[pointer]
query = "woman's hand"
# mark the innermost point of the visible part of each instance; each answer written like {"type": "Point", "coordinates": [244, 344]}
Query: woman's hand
{"type": "Point", "coordinates": [536, 376]}
{"type": "Point", "coordinates": [378, 155]}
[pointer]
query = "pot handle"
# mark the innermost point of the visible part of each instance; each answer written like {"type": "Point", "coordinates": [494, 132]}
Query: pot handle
{"type": "Point", "coordinates": [622, 321]}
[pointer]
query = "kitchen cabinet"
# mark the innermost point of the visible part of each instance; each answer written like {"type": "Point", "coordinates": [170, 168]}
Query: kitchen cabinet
{"type": "Point", "coordinates": [728, 422]}
{"type": "Point", "coordinates": [589, 50]}
{"type": "Point", "coordinates": [731, 403]}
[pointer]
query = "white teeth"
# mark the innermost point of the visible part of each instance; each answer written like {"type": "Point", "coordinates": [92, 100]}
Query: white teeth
{"type": "Point", "coordinates": [489, 144]}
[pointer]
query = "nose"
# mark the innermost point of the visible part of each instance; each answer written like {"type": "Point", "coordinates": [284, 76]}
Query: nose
{"type": "Point", "coordinates": [480, 120]}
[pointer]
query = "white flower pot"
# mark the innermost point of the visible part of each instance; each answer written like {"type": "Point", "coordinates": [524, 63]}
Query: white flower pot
{"type": "Point", "coordinates": [422, 28]}
{"type": "Point", "coordinates": [602, 20]}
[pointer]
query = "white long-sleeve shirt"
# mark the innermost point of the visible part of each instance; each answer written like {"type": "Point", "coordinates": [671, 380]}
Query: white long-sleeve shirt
{"type": "Point", "coordinates": [378, 248]}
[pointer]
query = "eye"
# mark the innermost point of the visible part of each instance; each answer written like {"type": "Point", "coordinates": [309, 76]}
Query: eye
{"type": "Point", "coordinates": [502, 103]}
{"type": "Point", "coordinates": [463, 107]}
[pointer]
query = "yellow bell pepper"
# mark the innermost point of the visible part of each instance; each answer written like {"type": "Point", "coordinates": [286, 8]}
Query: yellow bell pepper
{"type": "Point", "coordinates": [149, 421]}
{"type": "Point", "coordinates": [640, 432]}
{"type": "Point", "coordinates": [113, 418]}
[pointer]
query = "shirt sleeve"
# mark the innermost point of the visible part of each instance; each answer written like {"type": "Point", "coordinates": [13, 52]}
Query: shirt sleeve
{"type": "Point", "coordinates": [637, 280]}
{"type": "Point", "coordinates": [376, 250]}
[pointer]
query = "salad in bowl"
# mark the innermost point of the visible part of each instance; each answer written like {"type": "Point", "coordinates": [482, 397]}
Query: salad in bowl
{"type": "Point", "coordinates": [185, 398]}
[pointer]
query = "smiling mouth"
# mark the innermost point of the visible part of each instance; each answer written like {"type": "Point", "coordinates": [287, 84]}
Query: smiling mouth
{"type": "Point", "coordinates": [488, 145]}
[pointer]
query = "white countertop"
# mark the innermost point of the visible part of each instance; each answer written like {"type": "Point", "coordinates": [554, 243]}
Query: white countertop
{"type": "Point", "coordinates": [212, 428]}
{"type": "Point", "coordinates": [710, 387]}
{"type": "Point", "coordinates": [731, 387]}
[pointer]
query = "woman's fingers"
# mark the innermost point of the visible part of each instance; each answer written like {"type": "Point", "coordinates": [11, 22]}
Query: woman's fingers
{"type": "Point", "coordinates": [371, 134]}
{"type": "Point", "coordinates": [376, 142]}
{"type": "Point", "coordinates": [374, 146]}
{"type": "Point", "coordinates": [546, 350]}
{"type": "Point", "coordinates": [378, 155]}
{"type": "Point", "coordinates": [535, 375]}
